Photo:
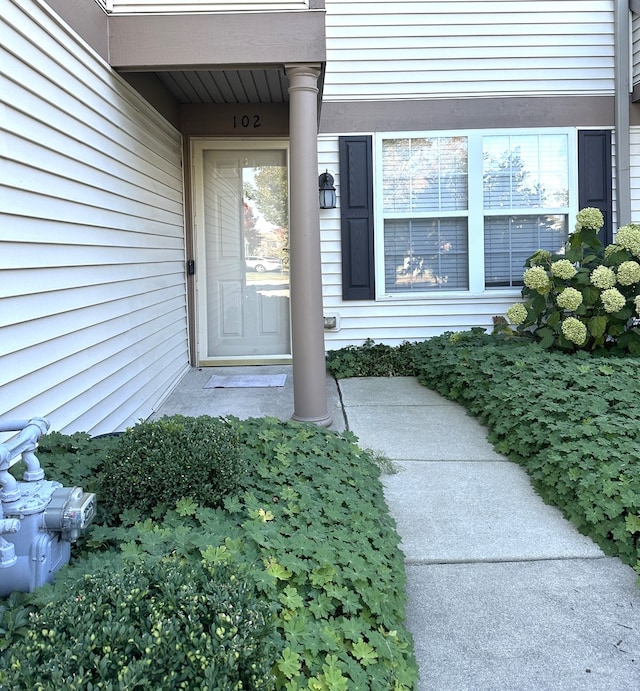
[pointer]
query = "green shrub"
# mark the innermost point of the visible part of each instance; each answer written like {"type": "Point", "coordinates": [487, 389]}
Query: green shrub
{"type": "Point", "coordinates": [311, 529]}
{"type": "Point", "coordinates": [153, 464]}
{"type": "Point", "coordinates": [371, 360]}
{"type": "Point", "coordinates": [168, 624]}
{"type": "Point", "coordinates": [586, 297]}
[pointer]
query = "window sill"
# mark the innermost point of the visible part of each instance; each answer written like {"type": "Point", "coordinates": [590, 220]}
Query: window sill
{"type": "Point", "coordinates": [488, 295]}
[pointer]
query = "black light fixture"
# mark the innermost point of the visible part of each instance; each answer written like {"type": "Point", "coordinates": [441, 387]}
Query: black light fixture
{"type": "Point", "coordinates": [327, 191]}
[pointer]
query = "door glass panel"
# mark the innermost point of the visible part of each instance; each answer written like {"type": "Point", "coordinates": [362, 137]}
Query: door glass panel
{"type": "Point", "coordinates": [246, 243]}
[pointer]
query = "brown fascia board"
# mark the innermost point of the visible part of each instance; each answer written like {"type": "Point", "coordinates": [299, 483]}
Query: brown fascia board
{"type": "Point", "coordinates": [467, 113]}
{"type": "Point", "coordinates": [191, 41]}
{"type": "Point", "coordinates": [88, 19]}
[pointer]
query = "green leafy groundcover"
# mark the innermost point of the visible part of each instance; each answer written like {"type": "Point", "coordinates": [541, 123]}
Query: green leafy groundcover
{"type": "Point", "coordinates": [572, 420]}
{"type": "Point", "coordinates": [309, 534]}
{"type": "Point", "coordinates": [372, 360]}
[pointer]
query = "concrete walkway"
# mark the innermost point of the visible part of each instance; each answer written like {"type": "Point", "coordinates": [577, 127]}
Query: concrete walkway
{"type": "Point", "coordinates": [503, 592]}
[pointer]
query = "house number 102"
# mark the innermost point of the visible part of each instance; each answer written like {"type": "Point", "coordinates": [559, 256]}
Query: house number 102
{"type": "Point", "coordinates": [247, 121]}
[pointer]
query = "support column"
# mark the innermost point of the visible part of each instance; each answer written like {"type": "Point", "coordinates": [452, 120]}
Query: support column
{"type": "Point", "coordinates": [307, 328]}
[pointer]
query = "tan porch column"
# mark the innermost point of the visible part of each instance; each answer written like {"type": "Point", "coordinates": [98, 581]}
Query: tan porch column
{"type": "Point", "coordinates": [307, 330]}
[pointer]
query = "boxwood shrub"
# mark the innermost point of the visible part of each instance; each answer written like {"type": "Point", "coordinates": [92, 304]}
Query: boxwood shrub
{"type": "Point", "coordinates": [153, 464]}
{"type": "Point", "coordinates": [156, 624]}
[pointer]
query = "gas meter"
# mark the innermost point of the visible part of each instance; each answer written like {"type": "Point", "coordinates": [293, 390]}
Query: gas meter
{"type": "Point", "coordinates": [39, 518]}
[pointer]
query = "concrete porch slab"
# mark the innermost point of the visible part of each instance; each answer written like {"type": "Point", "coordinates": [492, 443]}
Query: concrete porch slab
{"type": "Point", "coordinates": [191, 398]}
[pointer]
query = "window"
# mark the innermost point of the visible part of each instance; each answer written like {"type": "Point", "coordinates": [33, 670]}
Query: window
{"type": "Point", "coordinates": [425, 201]}
{"type": "Point", "coordinates": [462, 212]}
{"type": "Point", "coordinates": [525, 184]}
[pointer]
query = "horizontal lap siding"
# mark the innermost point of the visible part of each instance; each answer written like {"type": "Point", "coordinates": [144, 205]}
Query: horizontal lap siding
{"type": "Point", "coordinates": [389, 321]}
{"type": "Point", "coordinates": [93, 328]}
{"type": "Point", "coordinates": [330, 237]}
{"type": "Point", "coordinates": [394, 50]}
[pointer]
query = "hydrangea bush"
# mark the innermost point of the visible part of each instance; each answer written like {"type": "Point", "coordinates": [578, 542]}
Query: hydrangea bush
{"type": "Point", "coordinates": [586, 297]}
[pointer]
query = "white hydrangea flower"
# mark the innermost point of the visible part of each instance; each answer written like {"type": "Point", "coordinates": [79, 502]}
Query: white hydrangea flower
{"type": "Point", "coordinates": [517, 313]}
{"type": "Point", "coordinates": [540, 257]}
{"type": "Point", "coordinates": [629, 237]}
{"type": "Point", "coordinates": [628, 273]}
{"type": "Point", "coordinates": [563, 269]}
{"type": "Point", "coordinates": [574, 330]}
{"type": "Point", "coordinates": [636, 302]}
{"type": "Point", "coordinates": [569, 299]}
{"type": "Point", "coordinates": [590, 218]}
{"type": "Point", "coordinates": [603, 277]}
{"type": "Point", "coordinates": [612, 300]}
{"type": "Point", "coordinates": [536, 278]}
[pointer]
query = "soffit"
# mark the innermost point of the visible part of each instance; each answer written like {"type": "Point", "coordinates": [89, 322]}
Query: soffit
{"type": "Point", "coordinates": [256, 85]}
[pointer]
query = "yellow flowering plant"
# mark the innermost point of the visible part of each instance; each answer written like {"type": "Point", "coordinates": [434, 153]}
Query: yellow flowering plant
{"type": "Point", "coordinates": [586, 297]}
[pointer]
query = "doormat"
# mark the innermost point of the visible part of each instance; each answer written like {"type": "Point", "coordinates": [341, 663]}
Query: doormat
{"type": "Point", "coordinates": [242, 381]}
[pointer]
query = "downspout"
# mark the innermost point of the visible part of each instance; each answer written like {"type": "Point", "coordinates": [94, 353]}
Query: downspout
{"type": "Point", "coordinates": [622, 58]}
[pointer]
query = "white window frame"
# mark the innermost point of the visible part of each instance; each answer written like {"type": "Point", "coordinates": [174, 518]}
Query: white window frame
{"type": "Point", "coordinates": [475, 212]}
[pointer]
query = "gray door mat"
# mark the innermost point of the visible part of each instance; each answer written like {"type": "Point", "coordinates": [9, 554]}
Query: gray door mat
{"type": "Point", "coordinates": [241, 381]}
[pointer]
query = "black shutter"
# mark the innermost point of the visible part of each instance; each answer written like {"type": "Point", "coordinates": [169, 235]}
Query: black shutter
{"type": "Point", "coordinates": [356, 217]}
{"type": "Point", "coordinates": [594, 177]}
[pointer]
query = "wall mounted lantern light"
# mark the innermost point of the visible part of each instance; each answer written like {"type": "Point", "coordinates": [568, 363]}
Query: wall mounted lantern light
{"type": "Point", "coordinates": [327, 191]}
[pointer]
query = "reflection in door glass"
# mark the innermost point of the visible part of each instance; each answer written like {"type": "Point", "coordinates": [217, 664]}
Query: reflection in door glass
{"type": "Point", "coordinates": [246, 245]}
{"type": "Point", "coordinates": [265, 222]}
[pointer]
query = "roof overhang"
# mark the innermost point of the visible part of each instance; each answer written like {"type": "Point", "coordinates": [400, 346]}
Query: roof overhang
{"type": "Point", "coordinates": [193, 60]}
{"type": "Point", "coordinates": [216, 40]}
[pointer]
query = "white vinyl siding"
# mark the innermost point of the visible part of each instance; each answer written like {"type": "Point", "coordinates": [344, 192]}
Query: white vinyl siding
{"type": "Point", "coordinates": [160, 6]}
{"type": "Point", "coordinates": [453, 48]}
{"type": "Point", "coordinates": [93, 325]}
{"type": "Point", "coordinates": [390, 321]}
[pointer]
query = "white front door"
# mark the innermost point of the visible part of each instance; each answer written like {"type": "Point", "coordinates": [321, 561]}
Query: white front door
{"type": "Point", "coordinates": [242, 266]}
